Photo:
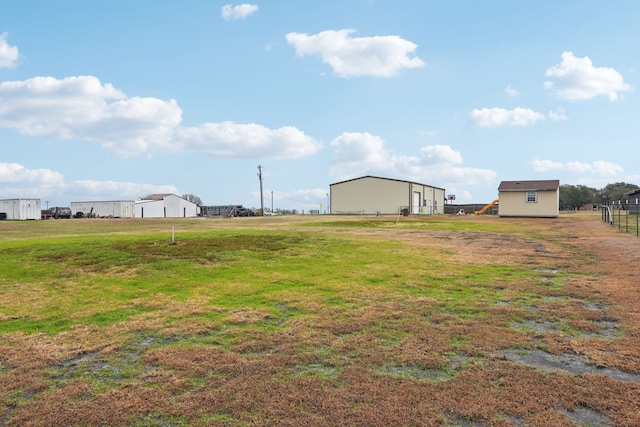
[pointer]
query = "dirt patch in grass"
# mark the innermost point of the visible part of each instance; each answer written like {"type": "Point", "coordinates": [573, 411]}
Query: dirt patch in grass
{"type": "Point", "coordinates": [568, 363]}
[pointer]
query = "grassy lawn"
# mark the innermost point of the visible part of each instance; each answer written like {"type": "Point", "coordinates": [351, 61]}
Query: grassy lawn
{"type": "Point", "coordinates": [311, 321]}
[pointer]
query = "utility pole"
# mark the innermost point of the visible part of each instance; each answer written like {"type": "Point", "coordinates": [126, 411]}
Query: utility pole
{"type": "Point", "coordinates": [261, 198]}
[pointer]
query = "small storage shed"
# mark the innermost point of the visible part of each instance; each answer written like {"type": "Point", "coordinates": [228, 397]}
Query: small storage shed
{"type": "Point", "coordinates": [165, 206]}
{"type": "Point", "coordinates": [529, 198]}
{"type": "Point", "coordinates": [20, 209]}
{"type": "Point", "coordinates": [108, 209]}
{"type": "Point", "coordinates": [372, 194]}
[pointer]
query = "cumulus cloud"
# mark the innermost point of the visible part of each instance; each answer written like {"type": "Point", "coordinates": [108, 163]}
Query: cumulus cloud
{"type": "Point", "coordinates": [84, 109]}
{"type": "Point", "coordinates": [18, 181]}
{"type": "Point", "coordinates": [241, 11]}
{"type": "Point", "coordinates": [109, 190]}
{"type": "Point", "coordinates": [600, 168]}
{"type": "Point", "coordinates": [8, 54]}
{"type": "Point", "coordinates": [576, 78]}
{"type": "Point", "coordinates": [379, 56]}
{"type": "Point", "coordinates": [357, 154]}
{"type": "Point", "coordinates": [499, 117]}
{"type": "Point", "coordinates": [363, 149]}
{"type": "Point", "coordinates": [247, 141]}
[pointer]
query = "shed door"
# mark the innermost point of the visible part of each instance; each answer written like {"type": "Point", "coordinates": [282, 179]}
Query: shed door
{"type": "Point", "coordinates": [416, 202]}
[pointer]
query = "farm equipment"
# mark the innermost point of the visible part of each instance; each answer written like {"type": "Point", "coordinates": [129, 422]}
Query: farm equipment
{"type": "Point", "coordinates": [80, 214]}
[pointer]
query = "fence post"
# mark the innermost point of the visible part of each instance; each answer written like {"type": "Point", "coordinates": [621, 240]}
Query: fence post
{"type": "Point", "coordinates": [626, 219]}
{"type": "Point", "coordinates": [619, 214]}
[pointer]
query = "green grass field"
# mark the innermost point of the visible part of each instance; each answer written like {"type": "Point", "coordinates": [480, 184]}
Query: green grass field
{"type": "Point", "coordinates": [295, 321]}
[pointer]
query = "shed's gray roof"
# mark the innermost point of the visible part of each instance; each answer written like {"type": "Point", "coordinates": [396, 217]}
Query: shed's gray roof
{"type": "Point", "coordinates": [543, 185]}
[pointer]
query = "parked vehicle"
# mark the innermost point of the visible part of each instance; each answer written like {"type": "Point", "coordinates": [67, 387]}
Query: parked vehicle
{"type": "Point", "coordinates": [46, 214]}
{"type": "Point", "coordinates": [244, 212]}
{"type": "Point", "coordinates": [61, 212]}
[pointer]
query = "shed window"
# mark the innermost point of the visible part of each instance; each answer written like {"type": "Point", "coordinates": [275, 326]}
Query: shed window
{"type": "Point", "coordinates": [532, 197]}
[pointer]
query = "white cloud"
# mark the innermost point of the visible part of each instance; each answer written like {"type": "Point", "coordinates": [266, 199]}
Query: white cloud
{"type": "Point", "coordinates": [17, 181]}
{"type": "Point", "coordinates": [301, 199]}
{"type": "Point", "coordinates": [358, 154]}
{"type": "Point", "coordinates": [576, 78]}
{"type": "Point", "coordinates": [8, 54]}
{"type": "Point", "coordinates": [558, 115]}
{"type": "Point", "coordinates": [599, 168]}
{"type": "Point", "coordinates": [82, 190]}
{"type": "Point", "coordinates": [360, 148]}
{"type": "Point", "coordinates": [633, 178]}
{"type": "Point", "coordinates": [83, 109]}
{"type": "Point", "coordinates": [238, 12]}
{"type": "Point", "coordinates": [511, 91]}
{"type": "Point", "coordinates": [435, 154]}
{"type": "Point", "coordinates": [247, 141]}
{"type": "Point", "coordinates": [379, 56]}
{"type": "Point", "coordinates": [499, 117]}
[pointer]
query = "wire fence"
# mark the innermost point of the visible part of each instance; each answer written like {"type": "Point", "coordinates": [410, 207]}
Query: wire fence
{"type": "Point", "coordinates": [624, 215]}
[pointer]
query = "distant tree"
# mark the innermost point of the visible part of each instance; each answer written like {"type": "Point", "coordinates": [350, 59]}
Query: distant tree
{"type": "Point", "coordinates": [616, 191]}
{"type": "Point", "coordinates": [192, 198]}
{"type": "Point", "coordinates": [577, 196]}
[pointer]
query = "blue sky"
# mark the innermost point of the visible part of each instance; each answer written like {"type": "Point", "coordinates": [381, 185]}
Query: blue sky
{"type": "Point", "coordinates": [115, 100]}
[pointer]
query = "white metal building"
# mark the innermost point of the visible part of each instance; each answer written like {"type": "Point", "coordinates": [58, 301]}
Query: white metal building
{"type": "Point", "coordinates": [529, 198]}
{"type": "Point", "coordinates": [165, 206]}
{"type": "Point", "coordinates": [372, 195]}
{"type": "Point", "coordinates": [108, 209]}
{"type": "Point", "coordinates": [20, 209]}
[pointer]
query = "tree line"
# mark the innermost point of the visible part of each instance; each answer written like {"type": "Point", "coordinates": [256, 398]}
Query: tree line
{"type": "Point", "coordinates": [577, 196]}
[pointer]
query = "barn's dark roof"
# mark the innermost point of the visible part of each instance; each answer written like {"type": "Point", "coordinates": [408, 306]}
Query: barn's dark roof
{"type": "Point", "coordinates": [542, 185]}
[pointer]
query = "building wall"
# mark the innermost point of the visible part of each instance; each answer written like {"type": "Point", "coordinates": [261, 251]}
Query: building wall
{"type": "Point", "coordinates": [177, 207]}
{"type": "Point", "coordinates": [115, 209]}
{"type": "Point", "coordinates": [21, 209]}
{"type": "Point", "coordinates": [514, 203]}
{"type": "Point", "coordinates": [431, 199]}
{"type": "Point", "coordinates": [171, 207]}
{"type": "Point", "coordinates": [370, 195]}
{"type": "Point", "coordinates": [150, 209]}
